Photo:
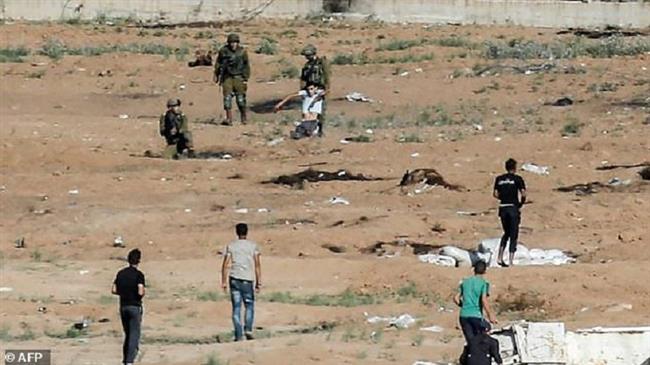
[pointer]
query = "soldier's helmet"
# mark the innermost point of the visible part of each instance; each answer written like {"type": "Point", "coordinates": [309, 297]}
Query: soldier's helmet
{"type": "Point", "coordinates": [173, 102]}
{"type": "Point", "coordinates": [309, 50]}
{"type": "Point", "coordinates": [232, 38]}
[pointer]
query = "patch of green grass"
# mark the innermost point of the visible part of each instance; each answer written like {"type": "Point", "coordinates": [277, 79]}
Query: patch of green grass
{"type": "Point", "coordinates": [603, 48]}
{"type": "Point", "coordinates": [5, 333]}
{"type": "Point", "coordinates": [70, 333]}
{"type": "Point", "coordinates": [204, 34]}
{"type": "Point", "coordinates": [348, 298]}
{"type": "Point", "coordinates": [169, 340]}
{"type": "Point", "coordinates": [53, 48]}
{"type": "Point", "coordinates": [213, 359]}
{"type": "Point", "coordinates": [363, 59]}
{"type": "Point", "coordinates": [36, 74]}
{"type": "Point", "coordinates": [13, 55]}
{"type": "Point", "coordinates": [417, 340]}
{"type": "Point", "coordinates": [289, 33]}
{"type": "Point", "coordinates": [56, 49]}
{"type": "Point", "coordinates": [211, 296]}
{"type": "Point", "coordinates": [27, 335]}
{"type": "Point", "coordinates": [571, 128]}
{"type": "Point", "coordinates": [457, 42]}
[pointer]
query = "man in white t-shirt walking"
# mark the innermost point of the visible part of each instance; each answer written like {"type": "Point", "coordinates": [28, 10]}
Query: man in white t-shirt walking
{"type": "Point", "coordinates": [241, 271]}
{"type": "Point", "coordinates": [312, 107]}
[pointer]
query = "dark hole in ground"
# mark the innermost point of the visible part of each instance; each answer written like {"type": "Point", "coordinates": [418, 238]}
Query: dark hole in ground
{"type": "Point", "coordinates": [419, 248]}
{"type": "Point", "coordinates": [268, 106]}
{"type": "Point", "coordinates": [429, 177]}
{"type": "Point", "coordinates": [297, 180]}
{"type": "Point", "coordinates": [334, 248]}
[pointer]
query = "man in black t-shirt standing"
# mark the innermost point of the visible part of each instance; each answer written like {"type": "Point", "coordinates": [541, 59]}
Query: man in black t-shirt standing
{"type": "Point", "coordinates": [508, 188]}
{"type": "Point", "coordinates": [129, 285]}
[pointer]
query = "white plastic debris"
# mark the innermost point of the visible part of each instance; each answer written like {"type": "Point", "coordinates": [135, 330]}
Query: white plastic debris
{"type": "Point", "coordinates": [415, 154]}
{"type": "Point", "coordinates": [83, 272]}
{"type": "Point", "coordinates": [405, 73]}
{"type": "Point", "coordinates": [369, 131]}
{"type": "Point", "coordinates": [338, 200]}
{"type": "Point", "coordinates": [241, 210]}
{"type": "Point", "coordinates": [436, 329]}
{"type": "Point", "coordinates": [118, 241]}
{"type": "Point", "coordinates": [182, 87]}
{"type": "Point", "coordinates": [263, 210]}
{"type": "Point", "coordinates": [188, 210]}
{"type": "Point", "coordinates": [358, 97]}
{"type": "Point", "coordinates": [6, 289]}
{"type": "Point", "coordinates": [123, 116]}
{"type": "Point", "coordinates": [73, 192]}
{"type": "Point", "coordinates": [275, 142]}
{"type": "Point", "coordinates": [403, 321]}
{"type": "Point", "coordinates": [439, 260]}
{"type": "Point", "coordinates": [535, 169]}
{"type": "Point", "coordinates": [615, 181]}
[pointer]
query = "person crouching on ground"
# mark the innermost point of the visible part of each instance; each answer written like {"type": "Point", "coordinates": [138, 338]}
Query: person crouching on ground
{"type": "Point", "coordinates": [312, 106]}
{"type": "Point", "coordinates": [174, 127]}
{"type": "Point", "coordinates": [242, 270]}
{"type": "Point", "coordinates": [472, 298]}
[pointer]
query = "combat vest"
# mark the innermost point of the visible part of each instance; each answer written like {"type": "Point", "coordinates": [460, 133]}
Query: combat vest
{"type": "Point", "coordinates": [232, 63]}
{"type": "Point", "coordinates": [170, 121]}
{"type": "Point", "coordinates": [314, 72]}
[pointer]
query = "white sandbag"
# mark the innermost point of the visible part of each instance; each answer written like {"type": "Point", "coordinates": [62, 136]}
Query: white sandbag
{"type": "Point", "coordinates": [439, 260]}
{"type": "Point", "coordinates": [461, 256]}
{"type": "Point", "coordinates": [491, 246]}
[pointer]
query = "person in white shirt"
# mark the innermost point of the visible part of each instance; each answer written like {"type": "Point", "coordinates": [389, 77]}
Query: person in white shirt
{"type": "Point", "coordinates": [312, 107]}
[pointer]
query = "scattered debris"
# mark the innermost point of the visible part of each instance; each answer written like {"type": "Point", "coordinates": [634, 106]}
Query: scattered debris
{"type": "Point", "coordinates": [119, 242]}
{"type": "Point", "coordinates": [379, 248]}
{"type": "Point", "coordinates": [438, 260]}
{"type": "Point", "coordinates": [474, 214]}
{"type": "Point", "coordinates": [123, 116]}
{"type": "Point", "coordinates": [275, 142]}
{"type": "Point", "coordinates": [565, 101]}
{"type": "Point", "coordinates": [73, 192]}
{"type": "Point", "coordinates": [105, 73]}
{"type": "Point", "coordinates": [358, 97]}
{"type": "Point", "coordinates": [84, 272]}
{"type": "Point", "coordinates": [526, 69]}
{"type": "Point", "coordinates": [241, 210]}
{"type": "Point", "coordinates": [609, 31]}
{"type": "Point", "coordinates": [623, 166]}
{"type": "Point", "coordinates": [6, 289]}
{"type": "Point", "coordinates": [104, 320]}
{"type": "Point", "coordinates": [436, 329]}
{"type": "Point", "coordinates": [42, 310]}
{"type": "Point", "coordinates": [582, 189]}
{"type": "Point", "coordinates": [85, 323]}
{"type": "Point", "coordinates": [41, 211]}
{"type": "Point", "coordinates": [19, 242]}
{"type": "Point", "coordinates": [619, 307]}
{"type": "Point", "coordinates": [297, 180]}
{"type": "Point", "coordinates": [587, 147]}
{"type": "Point", "coordinates": [535, 169]}
{"type": "Point", "coordinates": [429, 177]}
{"type": "Point", "coordinates": [337, 200]}
{"type": "Point", "coordinates": [334, 248]}
{"type": "Point", "coordinates": [358, 139]}
{"type": "Point", "coordinates": [402, 321]}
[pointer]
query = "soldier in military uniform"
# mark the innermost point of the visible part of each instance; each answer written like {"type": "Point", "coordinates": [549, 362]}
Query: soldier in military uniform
{"type": "Point", "coordinates": [316, 71]}
{"type": "Point", "coordinates": [175, 128]}
{"type": "Point", "coordinates": [232, 71]}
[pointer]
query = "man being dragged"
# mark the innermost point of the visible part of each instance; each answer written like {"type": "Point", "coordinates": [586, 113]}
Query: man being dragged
{"type": "Point", "coordinates": [312, 106]}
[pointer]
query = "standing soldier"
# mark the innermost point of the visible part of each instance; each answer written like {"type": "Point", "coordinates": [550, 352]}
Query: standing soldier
{"type": "Point", "coordinates": [316, 71]}
{"type": "Point", "coordinates": [175, 128]}
{"type": "Point", "coordinates": [232, 71]}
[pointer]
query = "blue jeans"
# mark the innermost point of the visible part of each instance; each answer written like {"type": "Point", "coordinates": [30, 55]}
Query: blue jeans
{"type": "Point", "coordinates": [131, 316]}
{"type": "Point", "coordinates": [242, 290]}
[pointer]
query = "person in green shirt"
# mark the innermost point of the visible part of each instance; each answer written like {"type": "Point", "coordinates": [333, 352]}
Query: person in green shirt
{"type": "Point", "coordinates": [472, 300]}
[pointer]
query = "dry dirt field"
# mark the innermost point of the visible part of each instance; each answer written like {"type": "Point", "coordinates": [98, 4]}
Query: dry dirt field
{"type": "Point", "coordinates": [74, 177]}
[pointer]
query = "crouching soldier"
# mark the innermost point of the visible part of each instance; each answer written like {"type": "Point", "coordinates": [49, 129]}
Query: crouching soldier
{"type": "Point", "coordinates": [174, 127]}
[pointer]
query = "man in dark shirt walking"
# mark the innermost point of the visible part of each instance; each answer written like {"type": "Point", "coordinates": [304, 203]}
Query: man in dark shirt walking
{"type": "Point", "coordinates": [508, 188]}
{"type": "Point", "coordinates": [129, 285]}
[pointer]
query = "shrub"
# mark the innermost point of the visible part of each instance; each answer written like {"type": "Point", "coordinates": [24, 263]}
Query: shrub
{"type": "Point", "coordinates": [13, 55]}
{"type": "Point", "coordinates": [267, 46]}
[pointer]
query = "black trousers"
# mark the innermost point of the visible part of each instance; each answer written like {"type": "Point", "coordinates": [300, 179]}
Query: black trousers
{"type": "Point", "coordinates": [131, 316]}
{"type": "Point", "coordinates": [471, 327]}
{"type": "Point", "coordinates": [510, 218]}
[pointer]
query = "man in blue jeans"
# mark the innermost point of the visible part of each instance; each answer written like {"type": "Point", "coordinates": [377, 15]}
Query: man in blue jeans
{"type": "Point", "coordinates": [241, 266]}
{"type": "Point", "coordinates": [472, 299]}
{"type": "Point", "coordinates": [129, 285]}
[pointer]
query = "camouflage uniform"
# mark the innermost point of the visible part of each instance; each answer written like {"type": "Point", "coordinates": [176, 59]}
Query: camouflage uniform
{"type": "Point", "coordinates": [316, 71]}
{"type": "Point", "coordinates": [175, 128]}
{"type": "Point", "coordinates": [232, 71]}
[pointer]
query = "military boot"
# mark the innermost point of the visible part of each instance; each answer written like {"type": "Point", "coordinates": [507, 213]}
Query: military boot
{"type": "Point", "coordinates": [169, 152]}
{"type": "Point", "coordinates": [228, 120]}
{"type": "Point", "coordinates": [242, 115]}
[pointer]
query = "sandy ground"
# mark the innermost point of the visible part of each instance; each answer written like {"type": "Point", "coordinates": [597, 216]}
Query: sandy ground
{"type": "Point", "coordinates": [62, 132]}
